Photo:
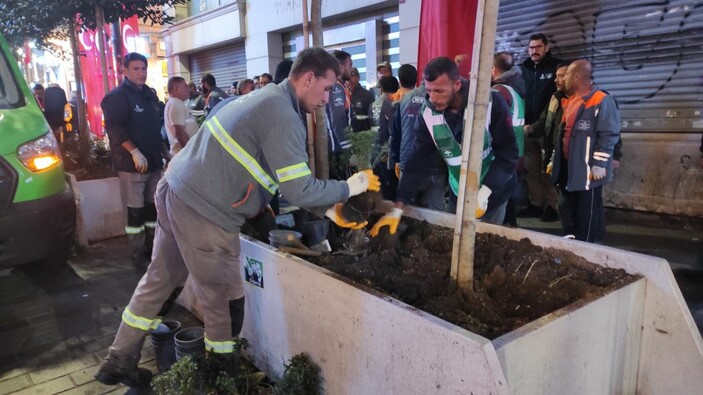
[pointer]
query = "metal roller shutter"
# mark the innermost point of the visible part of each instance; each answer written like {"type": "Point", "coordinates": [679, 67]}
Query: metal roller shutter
{"type": "Point", "coordinates": [646, 54]}
{"type": "Point", "coordinates": [226, 63]}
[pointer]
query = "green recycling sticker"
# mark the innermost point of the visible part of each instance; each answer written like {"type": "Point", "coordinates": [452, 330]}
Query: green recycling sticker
{"type": "Point", "coordinates": [254, 272]}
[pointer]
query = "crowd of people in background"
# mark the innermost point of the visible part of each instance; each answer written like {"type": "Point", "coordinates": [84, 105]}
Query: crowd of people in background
{"type": "Point", "coordinates": [550, 131]}
{"type": "Point", "coordinates": [562, 147]}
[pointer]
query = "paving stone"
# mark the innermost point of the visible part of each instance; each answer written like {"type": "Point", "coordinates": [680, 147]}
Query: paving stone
{"type": "Point", "coordinates": [90, 388]}
{"type": "Point", "coordinates": [120, 391]}
{"type": "Point", "coordinates": [14, 384]}
{"type": "Point", "coordinates": [150, 364]}
{"type": "Point", "coordinates": [62, 369]}
{"type": "Point", "coordinates": [14, 372]}
{"type": "Point", "coordinates": [85, 375]}
{"type": "Point", "coordinates": [55, 386]}
{"type": "Point", "coordinates": [98, 345]}
{"type": "Point", "coordinates": [101, 332]}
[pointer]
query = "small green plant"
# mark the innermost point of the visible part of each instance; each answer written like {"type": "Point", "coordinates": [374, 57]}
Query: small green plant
{"type": "Point", "coordinates": [212, 374]}
{"type": "Point", "coordinates": [301, 377]}
{"type": "Point", "coordinates": [180, 379]}
{"type": "Point", "coordinates": [363, 150]}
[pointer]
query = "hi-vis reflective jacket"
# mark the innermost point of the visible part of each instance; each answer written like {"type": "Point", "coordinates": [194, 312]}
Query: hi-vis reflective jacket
{"type": "Point", "coordinates": [594, 133]}
{"type": "Point", "coordinates": [252, 146]}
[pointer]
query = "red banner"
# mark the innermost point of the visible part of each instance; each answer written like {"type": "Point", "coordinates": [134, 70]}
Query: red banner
{"type": "Point", "coordinates": [446, 29]}
{"type": "Point", "coordinates": [92, 72]}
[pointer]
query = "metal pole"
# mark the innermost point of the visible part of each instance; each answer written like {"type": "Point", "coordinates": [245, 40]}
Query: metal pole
{"type": "Point", "coordinates": [462, 270]}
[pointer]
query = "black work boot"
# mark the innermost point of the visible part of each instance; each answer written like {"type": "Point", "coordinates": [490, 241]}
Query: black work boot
{"type": "Point", "coordinates": [118, 369]}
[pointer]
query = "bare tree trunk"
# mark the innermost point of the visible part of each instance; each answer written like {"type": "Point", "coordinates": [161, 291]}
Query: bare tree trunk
{"type": "Point", "coordinates": [84, 132]}
{"type": "Point", "coordinates": [310, 118]}
{"type": "Point", "coordinates": [321, 139]}
{"type": "Point", "coordinates": [462, 270]}
{"type": "Point", "coordinates": [100, 22]}
{"type": "Point", "coordinates": [316, 21]}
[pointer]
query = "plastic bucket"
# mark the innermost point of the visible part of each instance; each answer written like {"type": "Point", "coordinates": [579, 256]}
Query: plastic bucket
{"type": "Point", "coordinates": [189, 341]}
{"type": "Point", "coordinates": [316, 231]}
{"type": "Point", "coordinates": [162, 339]}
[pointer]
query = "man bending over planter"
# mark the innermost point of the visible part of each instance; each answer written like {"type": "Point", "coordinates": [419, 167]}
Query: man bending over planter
{"type": "Point", "coordinates": [436, 157]}
{"type": "Point", "coordinates": [226, 174]}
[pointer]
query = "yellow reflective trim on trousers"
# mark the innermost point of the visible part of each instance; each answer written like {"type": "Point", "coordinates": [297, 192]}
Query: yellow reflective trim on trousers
{"type": "Point", "coordinates": [293, 172]}
{"type": "Point", "coordinates": [219, 347]}
{"type": "Point", "coordinates": [241, 156]}
{"type": "Point", "coordinates": [138, 322]}
{"type": "Point", "coordinates": [150, 224]}
{"type": "Point", "coordinates": [134, 230]}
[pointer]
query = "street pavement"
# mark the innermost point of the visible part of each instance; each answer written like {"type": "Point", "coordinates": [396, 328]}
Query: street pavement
{"type": "Point", "coordinates": [58, 318]}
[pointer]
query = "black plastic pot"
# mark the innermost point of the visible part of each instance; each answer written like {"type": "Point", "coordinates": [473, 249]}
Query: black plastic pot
{"type": "Point", "coordinates": [190, 341]}
{"type": "Point", "coordinates": [162, 339]}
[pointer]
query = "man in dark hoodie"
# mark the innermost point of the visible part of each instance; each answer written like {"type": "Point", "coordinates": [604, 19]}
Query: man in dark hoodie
{"type": "Point", "coordinates": [539, 72]}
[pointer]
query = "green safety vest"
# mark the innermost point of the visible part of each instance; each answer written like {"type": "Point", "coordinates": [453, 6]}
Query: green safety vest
{"type": "Point", "coordinates": [517, 110]}
{"type": "Point", "coordinates": [450, 149]}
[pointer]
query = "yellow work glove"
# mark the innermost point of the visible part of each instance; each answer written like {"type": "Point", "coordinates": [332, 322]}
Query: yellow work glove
{"type": "Point", "coordinates": [397, 171]}
{"type": "Point", "coordinates": [598, 173]}
{"type": "Point", "coordinates": [362, 181]}
{"type": "Point", "coordinates": [391, 219]}
{"type": "Point", "coordinates": [335, 214]}
{"type": "Point", "coordinates": [549, 168]}
{"type": "Point", "coordinates": [482, 204]}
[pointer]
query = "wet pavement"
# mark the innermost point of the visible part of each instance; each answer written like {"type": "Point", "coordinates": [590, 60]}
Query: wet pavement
{"type": "Point", "coordinates": [58, 318]}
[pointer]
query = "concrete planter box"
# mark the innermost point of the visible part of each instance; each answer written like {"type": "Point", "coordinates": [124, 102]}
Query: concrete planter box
{"type": "Point", "coordinates": [638, 339]}
{"type": "Point", "coordinates": [99, 210]}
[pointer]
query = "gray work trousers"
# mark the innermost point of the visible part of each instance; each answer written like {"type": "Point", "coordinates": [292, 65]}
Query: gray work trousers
{"type": "Point", "coordinates": [540, 190]}
{"type": "Point", "coordinates": [137, 192]}
{"type": "Point", "coordinates": [185, 243]}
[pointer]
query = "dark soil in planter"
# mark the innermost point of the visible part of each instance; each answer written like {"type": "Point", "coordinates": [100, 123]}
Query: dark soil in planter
{"type": "Point", "coordinates": [515, 282]}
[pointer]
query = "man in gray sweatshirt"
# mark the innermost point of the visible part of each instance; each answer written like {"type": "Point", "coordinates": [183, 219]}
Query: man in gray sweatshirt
{"type": "Point", "coordinates": [226, 174]}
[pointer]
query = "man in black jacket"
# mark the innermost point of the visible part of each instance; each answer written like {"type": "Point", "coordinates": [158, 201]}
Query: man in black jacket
{"type": "Point", "coordinates": [539, 72]}
{"type": "Point", "coordinates": [133, 123]}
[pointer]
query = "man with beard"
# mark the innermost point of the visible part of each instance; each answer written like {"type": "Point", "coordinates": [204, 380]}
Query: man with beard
{"type": "Point", "coordinates": [212, 93]}
{"type": "Point", "coordinates": [539, 72]}
{"type": "Point", "coordinates": [583, 153]}
{"type": "Point", "coordinates": [436, 158]}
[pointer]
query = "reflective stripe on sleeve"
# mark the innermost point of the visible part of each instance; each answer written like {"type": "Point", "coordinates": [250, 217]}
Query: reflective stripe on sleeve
{"type": "Point", "coordinates": [138, 322]}
{"type": "Point", "coordinates": [293, 172]}
{"type": "Point", "coordinates": [454, 161]}
{"type": "Point", "coordinates": [219, 347]}
{"type": "Point", "coordinates": [133, 230]}
{"type": "Point", "coordinates": [241, 156]}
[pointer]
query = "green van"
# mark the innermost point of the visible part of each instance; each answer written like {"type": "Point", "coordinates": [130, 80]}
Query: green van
{"type": "Point", "coordinates": [37, 210]}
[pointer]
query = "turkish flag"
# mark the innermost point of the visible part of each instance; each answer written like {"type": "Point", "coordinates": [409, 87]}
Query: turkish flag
{"type": "Point", "coordinates": [446, 29]}
{"type": "Point", "coordinates": [91, 69]}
